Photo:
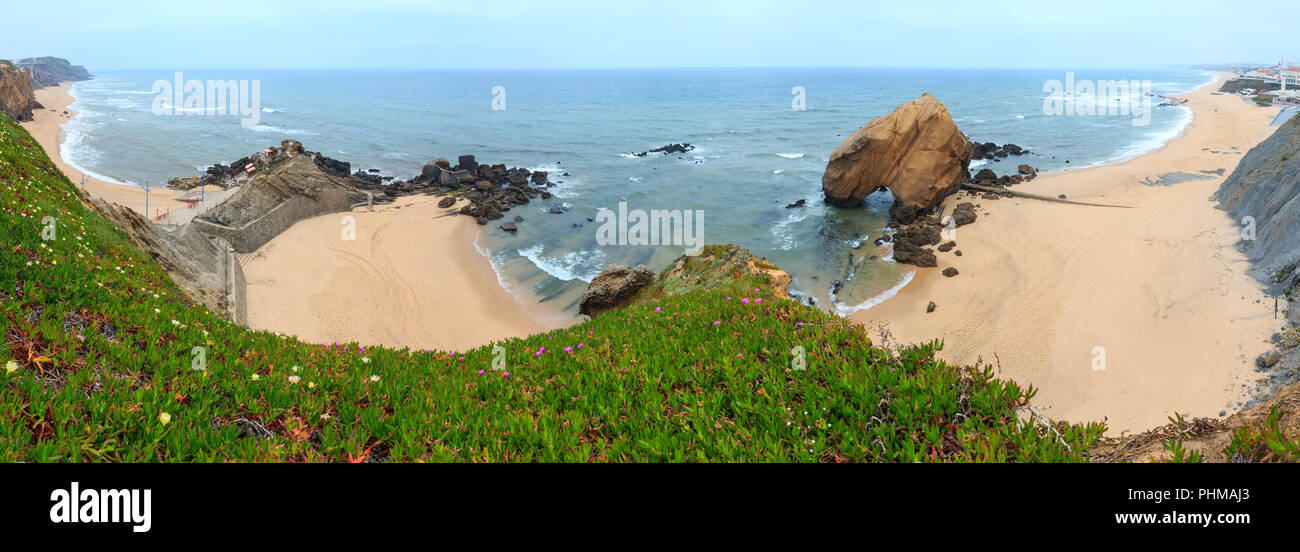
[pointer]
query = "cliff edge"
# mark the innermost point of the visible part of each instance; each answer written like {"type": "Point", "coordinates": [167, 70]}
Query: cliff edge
{"type": "Point", "coordinates": [17, 100]}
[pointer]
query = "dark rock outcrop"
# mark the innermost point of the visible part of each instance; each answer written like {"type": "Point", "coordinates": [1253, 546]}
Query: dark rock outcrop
{"type": "Point", "coordinates": [990, 151]}
{"type": "Point", "coordinates": [964, 214]}
{"type": "Point", "coordinates": [916, 152]}
{"type": "Point", "coordinates": [667, 150]}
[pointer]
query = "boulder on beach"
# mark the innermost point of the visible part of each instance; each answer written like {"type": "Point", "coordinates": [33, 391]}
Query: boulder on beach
{"type": "Point", "coordinates": [613, 287]}
{"type": "Point", "coordinates": [917, 152]}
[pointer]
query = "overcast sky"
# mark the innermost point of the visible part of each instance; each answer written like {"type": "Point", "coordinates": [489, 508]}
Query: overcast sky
{"type": "Point", "coordinates": [535, 34]}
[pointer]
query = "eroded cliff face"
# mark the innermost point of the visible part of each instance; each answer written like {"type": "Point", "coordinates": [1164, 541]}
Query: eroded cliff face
{"type": "Point", "coordinates": [1263, 194]}
{"type": "Point", "coordinates": [1266, 187]}
{"type": "Point", "coordinates": [16, 97]}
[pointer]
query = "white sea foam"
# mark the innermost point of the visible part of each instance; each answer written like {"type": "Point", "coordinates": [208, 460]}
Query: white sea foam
{"type": "Point", "coordinates": [791, 155]}
{"type": "Point", "coordinates": [565, 186]}
{"type": "Point", "coordinates": [281, 130]}
{"type": "Point", "coordinates": [781, 230]}
{"type": "Point", "coordinates": [582, 265]}
{"type": "Point", "coordinates": [845, 310]}
{"type": "Point", "coordinates": [1153, 140]}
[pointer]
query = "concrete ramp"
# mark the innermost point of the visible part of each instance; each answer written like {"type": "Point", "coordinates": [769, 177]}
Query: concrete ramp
{"type": "Point", "coordinates": [1285, 115]}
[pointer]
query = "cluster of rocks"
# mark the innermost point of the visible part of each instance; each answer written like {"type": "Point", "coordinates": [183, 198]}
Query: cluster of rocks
{"type": "Point", "coordinates": [667, 150]}
{"type": "Point", "coordinates": [912, 242]}
{"type": "Point", "coordinates": [226, 176]}
{"type": "Point", "coordinates": [993, 152]}
{"type": "Point", "coordinates": [986, 177]}
{"type": "Point", "coordinates": [492, 190]}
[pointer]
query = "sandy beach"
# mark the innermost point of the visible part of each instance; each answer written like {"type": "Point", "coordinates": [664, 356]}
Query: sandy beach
{"type": "Point", "coordinates": [47, 128]}
{"type": "Point", "coordinates": [411, 278]}
{"type": "Point", "coordinates": [1128, 315]}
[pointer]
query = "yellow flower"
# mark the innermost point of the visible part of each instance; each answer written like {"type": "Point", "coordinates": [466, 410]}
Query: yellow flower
{"type": "Point", "coordinates": [311, 385]}
{"type": "Point", "coordinates": [256, 377]}
{"type": "Point", "coordinates": [11, 367]}
{"type": "Point", "coordinates": [165, 418]}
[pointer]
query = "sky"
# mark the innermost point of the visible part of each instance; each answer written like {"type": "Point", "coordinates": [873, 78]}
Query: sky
{"type": "Point", "coordinates": [578, 34]}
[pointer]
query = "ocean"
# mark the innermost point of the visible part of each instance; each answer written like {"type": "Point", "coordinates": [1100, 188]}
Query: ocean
{"type": "Point", "coordinates": [754, 153]}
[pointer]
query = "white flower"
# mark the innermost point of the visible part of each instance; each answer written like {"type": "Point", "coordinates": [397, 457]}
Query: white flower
{"type": "Point", "coordinates": [157, 311]}
{"type": "Point", "coordinates": [365, 360]}
{"type": "Point", "coordinates": [294, 379]}
{"type": "Point", "coordinates": [374, 378]}
{"type": "Point", "coordinates": [295, 368]}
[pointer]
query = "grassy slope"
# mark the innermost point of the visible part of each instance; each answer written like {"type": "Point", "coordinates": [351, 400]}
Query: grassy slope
{"type": "Point", "coordinates": [103, 345]}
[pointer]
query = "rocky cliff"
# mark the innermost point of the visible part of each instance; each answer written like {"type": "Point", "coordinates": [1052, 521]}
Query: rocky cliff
{"type": "Point", "coordinates": [16, 97]}
{"type": "Point", "coordinates": [293, 187]}
{"type": "Point", "coordinates": [1266, 186]}
{"type": "Point", "coordinates": [716, 266]}
{"type": "Point", "coordinates": [50, 71]}
{"type": "Point", "coordinates": [199, 265]}
{"type": "Point", "coordinates": [917, 152]}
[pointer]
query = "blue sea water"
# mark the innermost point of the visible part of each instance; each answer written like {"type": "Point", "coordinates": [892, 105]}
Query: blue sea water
{"type": "Point", "coordinates": [754, 153]}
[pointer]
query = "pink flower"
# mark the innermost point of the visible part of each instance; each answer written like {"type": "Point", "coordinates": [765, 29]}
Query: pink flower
{"type": "Point", "coordinates": [581, 345]}
{"type": "Point", "coordinates": [728, 298]}
{"type": "Point", "coordinates": [505, 375]}
{"type": "Point", "coordinates": [717, 322]}
{"type": "Point", "coordinates": [759, 300]}
{"type": "Point", "coordinates": [480, 372]}
{"type": "Point", "coordinates": [741, 355]}
{"type": "Point", "coordinates": [657, 309]}
{"type": "Point", "coordinates": [568, 349]}
{"type": "Point", "coordinates": [461, 359]}
{"type": "Point", "coordinates": [756, 290]}
{"type": "Point", "coordinates": [745, 300]}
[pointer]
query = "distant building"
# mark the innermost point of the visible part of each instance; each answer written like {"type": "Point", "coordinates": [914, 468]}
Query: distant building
{"type": "Point", "coordinates": [1290, 77]}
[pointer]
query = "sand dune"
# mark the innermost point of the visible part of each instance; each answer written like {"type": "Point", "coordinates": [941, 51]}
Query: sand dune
{"type": "Point", "coordinates": [1045, 290]}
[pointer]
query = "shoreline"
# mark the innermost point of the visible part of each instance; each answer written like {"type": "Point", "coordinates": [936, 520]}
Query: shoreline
{"type": "Point", "coordinates": [495, 312]}
{"type": "Point", "coordinates": [390, 286]}
{"type": "Point", "coordinates": [47, 129]}
{"type": "Point", "coordinates": [1152, 295]}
